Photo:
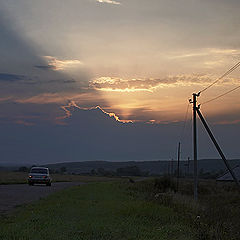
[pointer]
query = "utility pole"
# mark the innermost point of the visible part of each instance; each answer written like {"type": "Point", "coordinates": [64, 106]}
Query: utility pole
{"type": "Point", "coordinates": [188, 166]}
{"type": "Point", "coordinates": [194, 102]}
{"type": "Point", "coordinates": [195, 112]}
{"type": "Point", "coordinates": [169, 168]}
{"type": "Point", "coordinates": [172, 173]}
{"type": "Point", "coordinates": [217, 146]}
{"type": "Point", "coordinates": [178, 166]}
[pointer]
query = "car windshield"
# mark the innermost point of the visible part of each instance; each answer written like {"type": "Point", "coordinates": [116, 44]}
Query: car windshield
{"type": "Point", "coordinates": [39, 170]}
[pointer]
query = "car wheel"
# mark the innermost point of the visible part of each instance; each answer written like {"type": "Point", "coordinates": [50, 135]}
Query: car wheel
{"type": "Point", "coordinates": [48, 184]}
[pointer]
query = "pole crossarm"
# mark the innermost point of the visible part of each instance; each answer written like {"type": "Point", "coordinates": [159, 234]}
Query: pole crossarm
{"type": "Point", "coordinates": [217, 146]}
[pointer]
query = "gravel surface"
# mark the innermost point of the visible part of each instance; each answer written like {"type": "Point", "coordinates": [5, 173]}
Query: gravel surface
{"type": "Point", "coordinates": [13, 195]}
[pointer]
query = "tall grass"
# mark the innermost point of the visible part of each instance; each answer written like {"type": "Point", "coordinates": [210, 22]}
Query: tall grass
{"type": "Point", "coordinates": [214, 216]}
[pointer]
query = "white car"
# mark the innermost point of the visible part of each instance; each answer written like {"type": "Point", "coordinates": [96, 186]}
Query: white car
{"type": "Point", "coordinates": [39, 175]}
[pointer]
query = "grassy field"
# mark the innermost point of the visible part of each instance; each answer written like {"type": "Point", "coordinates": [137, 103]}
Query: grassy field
{"type": "Point", "coordinates": [96, 211]}
{"type": "Point", "coordinates": [149, 209]}
{"type": "Point", "coordinates": [21, 177]}
{"type": "Point", "coordinates": [214, 216]}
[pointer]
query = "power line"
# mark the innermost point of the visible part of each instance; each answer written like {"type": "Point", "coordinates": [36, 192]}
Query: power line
{"type": "Point", "coordinates": [221, 95]}
{"type": "Point", "coordinates": [181, 132]}
{"type": "Point", "coordinates": [224, 75]}
{"type": "Point", "coordinates": [184, 123]}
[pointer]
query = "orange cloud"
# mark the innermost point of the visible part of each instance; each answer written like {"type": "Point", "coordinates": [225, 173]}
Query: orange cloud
{"type": "Point", "coordinates": [73, 104]}
{"type": "Point", "coordinates": [109, 1]}
{"type": "Point", "coordinates": [57, 64]}
{"type": "Point", "coordinates": [23, 122]}
{"type": "Point", "coordinates": [228, 122]}
{"type": "Point", "coordinates": [212, 52]}
{"type": "Point", "coordinates": [115, 84]}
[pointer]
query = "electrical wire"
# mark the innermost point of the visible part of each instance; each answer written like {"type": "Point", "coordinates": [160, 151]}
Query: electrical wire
{"type": "Point", "coordinates": [224, 75]}
{"type": "Point", "coordinates": [219, 96]}
{"type": "Point", "coordinates": [184, 131]}
{"type": "Point", "coordinates": [184, 123]}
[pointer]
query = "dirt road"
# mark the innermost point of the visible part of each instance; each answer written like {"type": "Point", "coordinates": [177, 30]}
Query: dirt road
{"type": "Point", "coordinates": [18, 194]}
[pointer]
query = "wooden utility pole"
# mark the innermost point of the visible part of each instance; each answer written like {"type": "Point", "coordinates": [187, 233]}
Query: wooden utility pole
{"type": "Point", "coordinates": [169, 168]}
{"type": "Point", "coordinates": [195, 167]}
{"type": "Point", "coordinates": [178, 166]}
{"type": "Point", "coordinates": [195, 112]}
{"type": "Point", "coordinates": [188, 166]}
{"type": "Point", "coordinates": [172, 173]}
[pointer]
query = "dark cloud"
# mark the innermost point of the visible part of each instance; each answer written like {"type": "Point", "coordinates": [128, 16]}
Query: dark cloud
{"type": "Point", "coordinates": [7, 77]}
{"type": "Point", "coordinates": [21, 63]}
{"type": "Point", "coordinates": [45, 67]}
{"type": "Point", "coordinates": [16, 51]}
{"type": "Point", "coordinates": [21, 79]}
{"type": "Point", "coordinates": [92, 135]}
{"type": "Point", "coordinates": [12, 112]}
{"type": "Point", "coordinates": [61, 81]}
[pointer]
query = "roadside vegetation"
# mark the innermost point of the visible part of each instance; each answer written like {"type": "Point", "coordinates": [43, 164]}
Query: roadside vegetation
{"type": "Point", "coordinates": [214, 216]}
{"type": "Point", "coordinates": [149, 209]}
{"type": "Point", "coordinates": [100, 211]}
{"type": "Point", "coordinates": [21, 177]}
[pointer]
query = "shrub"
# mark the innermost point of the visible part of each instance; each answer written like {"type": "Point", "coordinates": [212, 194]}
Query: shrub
{"type": "Point", "coordinates": [165, 184]}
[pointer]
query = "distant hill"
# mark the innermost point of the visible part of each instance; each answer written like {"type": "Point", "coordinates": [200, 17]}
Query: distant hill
{"type": "Point", "coordinates": [159, 167]}
{"type": "Point", "coordinates": [153, 167]}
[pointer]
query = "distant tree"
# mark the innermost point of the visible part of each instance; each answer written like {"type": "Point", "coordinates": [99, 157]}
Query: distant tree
{"type": "Point", "coordinates": [63, 169]}
{"type": "Point", "coordinates": [51, 171]}
{"type": "Point", "coordinates": [175, 174]}
{"type": "Point", "coordinates": [93, 172]}
{"type": "Point", "coordinates": [129, 171]}
{"type": "Point", "coordinates": [201, 172]}
{"type": "Point", "coordinates": [100, 171]}
{"type": "Point", "coordinates": [23, 169]}
{"type": "Point", "coordinates": [109, 174]}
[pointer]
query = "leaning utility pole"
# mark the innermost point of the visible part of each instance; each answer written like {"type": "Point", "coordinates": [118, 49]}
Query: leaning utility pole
{"type": "Point", "coordinates": [194, 102]}
{"type": "Point", "coordinates": [217, 146]}
{"type": "Point", "coordinates": [196, 110]}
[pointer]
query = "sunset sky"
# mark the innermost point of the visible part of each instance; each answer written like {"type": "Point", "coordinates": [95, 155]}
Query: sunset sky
{"type": "Point", "coordinates": [136, 61]}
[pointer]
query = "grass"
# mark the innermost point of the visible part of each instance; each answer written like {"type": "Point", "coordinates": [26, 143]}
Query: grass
{"type": "Point", "coordinates": [12, 177]}
{"type": "Point", "coordinates": [21, 177]}
{"type": "Point", "coordinates": [100, 211]}
{"type": "Point", "coordinates": [148, 209]}
{"type": "Point", "coordinates": [214, 216]}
